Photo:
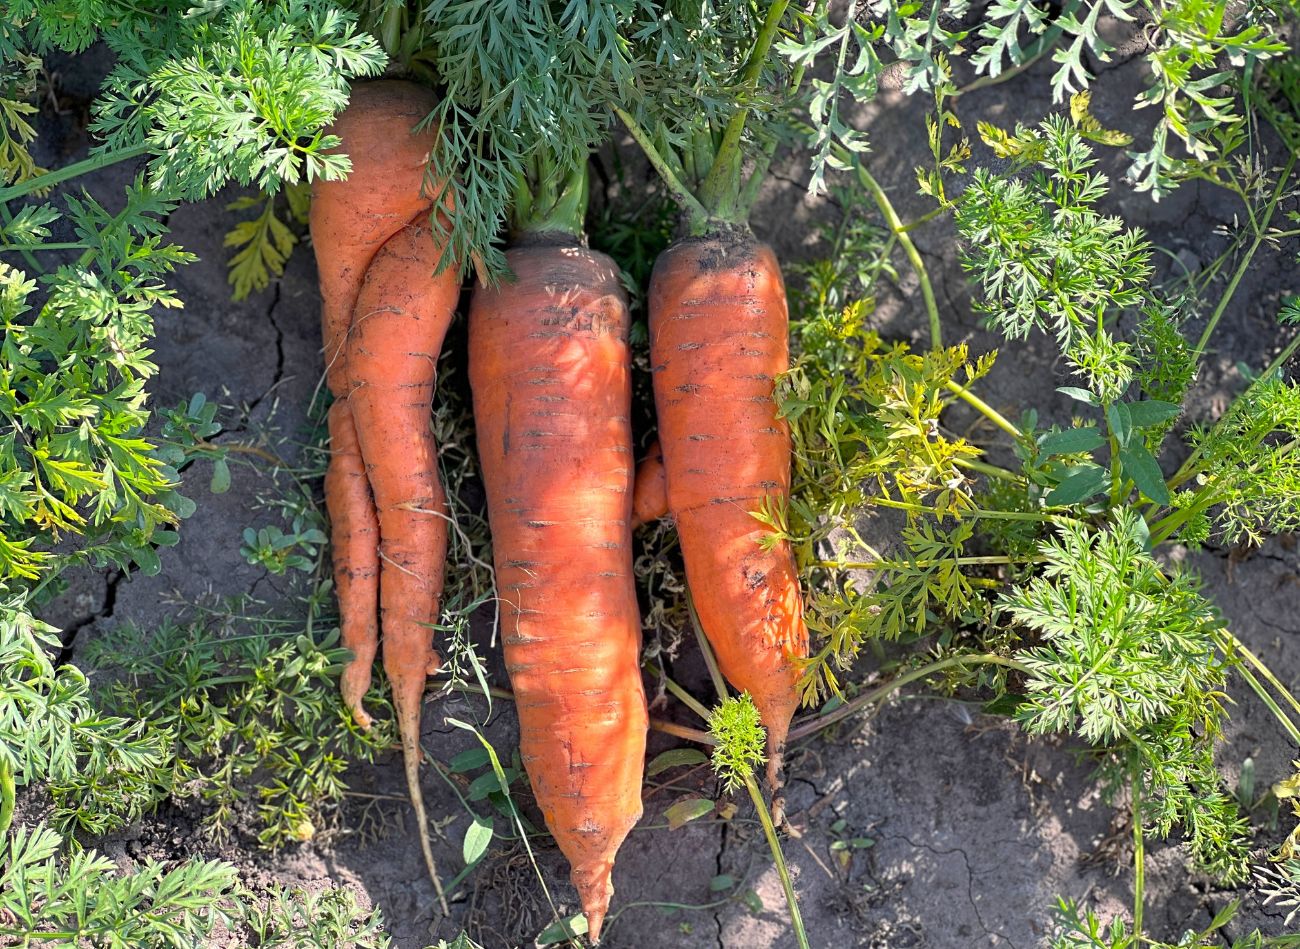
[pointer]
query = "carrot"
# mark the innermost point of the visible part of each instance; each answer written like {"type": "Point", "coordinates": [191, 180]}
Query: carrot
{"type": "Point", "coordinates": [718, 339]}
{"type": "Point", "coordinates": [383, 318]}
{"type": "Point", "coordinates": [350, 220]}
{"type": "Point", "coordinates": [550, 371]}
{"type": "Point", "coordinates": [402, 315]}
{"type": "Point", "coordinates": [650, 492]}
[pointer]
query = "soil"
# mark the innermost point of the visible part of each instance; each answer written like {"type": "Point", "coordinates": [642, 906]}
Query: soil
{"type": "Point", "coordinates": [973, 829]}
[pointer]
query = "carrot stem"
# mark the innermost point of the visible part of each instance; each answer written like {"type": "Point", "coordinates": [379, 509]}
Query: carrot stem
{"type": "Point", "coordinates": [52, 178]}
{"type": "Point", "coordinates": [816, 723]}
{"type": "Point", "coordinates": [658, 724]}
{"type": "Point", "coordinates": [715, 673]}
{"type": "Point", "coordinates": [655, 157]}
{"type": "Point", "coordinates": [913, 255]}
{"type": "Point", "coordinates": [1261, 232]}
{"type": "Point", "coordinates": [774, 843]}
{"type": "Point", "coordinates": [721, 188]}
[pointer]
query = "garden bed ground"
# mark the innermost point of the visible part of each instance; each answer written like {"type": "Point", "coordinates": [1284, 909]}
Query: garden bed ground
{"type": "Point", "coordinates": [974, 828]}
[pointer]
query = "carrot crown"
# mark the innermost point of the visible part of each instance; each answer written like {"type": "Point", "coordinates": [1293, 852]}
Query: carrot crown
{"type": "Point", "coordinates": [550, 198]}
{"type": "Point", "coordinates": [715, 163]}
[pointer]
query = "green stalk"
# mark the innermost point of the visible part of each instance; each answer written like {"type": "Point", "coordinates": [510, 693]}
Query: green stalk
{"type": "Point", "coordinates": [687, 699]}
{"type": "Point", "coordinates": [8, 795]}
{"type": "Point", "coordinates": [1260, 233]}
{"type": "Point", "coordinates": [52, 178]}
{"type": "Point", "coordinates": [1139, 852]}
{"type": "Point", "coordinates": [549, 204]}
{"type": "Point", "coordinates": [979, 405]}
{"type": "Point", "coordinates": [774, 843]}
{"type": "Point", "coordinates": [26, 248]}
{"type": "Point", "coordinates": [719, 683]}
{"type": "Point", "coordinates": [909, 248]}
{"type": "Point", "coordinates": [1268, 700]}
{"type": "Point", "coordinates": [961, 561]}
{"type": "Point", "coordinates": [671, 180]}
{"type": "Point", "coordinates": [993, 471]}
{"type": "Point", "coordinates": [816, 723]}
{"type": "Point", "coordinates": [721, 187]}
{"type": "Point", "coordinates": [1231, 644]}
{"type": "Point", "coordinates": [1188, 468]}
{"type": "Point", "coordinates": [976, 512]}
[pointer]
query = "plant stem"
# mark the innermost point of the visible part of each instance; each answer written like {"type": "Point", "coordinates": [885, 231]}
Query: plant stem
{"type": "Point", "coordinates": [976, 512]}
{"type": "Point", "coordinates": [1139, 851]}
{"type": "Point", "coordinates": [1260, 234]}
{"type": "Point", "coordinates": [666, 173]}
{"type": "Point", "coordinates": [773, 842]}
{"type": "Point", "coordinates": [993, 471]}
{"type": "Point", "coordinates": [52, 178]}
{"type": "Point", "coordinates": [1188, 468]}
{"type": "Point", "coordinates": [979, 405]}
{"type": "Point", "coordinates": [1268, 700]}
{"type": "Point", "coordinates": [816, 723]}
{"type": "Point", "coordinates": [658, 724]}
{"type": "Point", "coordinates": [722, 184]}
{"type": "Point", "coordinates": [1231, 644]}
{"type": "Point", "coordinates": [909, 248]}
{"type": "Point", "coordinates": [715, 673]}
{"type": "Point", "coordinates": [690, 701]}
{"type": "Point", "coordinates": [962, 561]}
{"type": "Point", "coordinates": [27, 248]}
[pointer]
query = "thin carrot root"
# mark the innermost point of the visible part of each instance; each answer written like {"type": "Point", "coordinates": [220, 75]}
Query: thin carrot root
{"type": "Point", "coordinates": [718, 339]}
{"type": "Point", "coordinates": [550, 373]}
{"type": "Point", "coordinates": [412, 755]}
{"type": "Point", "coordinates": [354, 529]}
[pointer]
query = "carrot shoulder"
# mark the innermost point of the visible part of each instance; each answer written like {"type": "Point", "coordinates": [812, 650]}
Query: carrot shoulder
{"type": "Point", "coordinates": [718, 339]}
{"type": "Point", "coordinates": [550, 372]}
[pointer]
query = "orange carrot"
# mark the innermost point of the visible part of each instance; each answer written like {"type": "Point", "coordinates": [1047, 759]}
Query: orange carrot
{"type": "Point", "coordinates": [354, 527]}
{"type": "Point", "coordinates": [350, 221]}
{"type": "Point", "coordinates": [550, 372]}
{"type": "Point", "coordinates": [650, 493]}
{"type": "Point", "coordinates": [383, 318]}
{"type": "Point", "coordinates": [401, 317]}
{"type": "Point", "coordinates": [718, 338]}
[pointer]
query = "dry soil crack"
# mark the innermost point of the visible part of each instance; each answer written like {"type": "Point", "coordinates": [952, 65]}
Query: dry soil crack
{"type": "Point", "coordinates": [970, 880]}
{"type": "Point", "coordinates": [106, 609]}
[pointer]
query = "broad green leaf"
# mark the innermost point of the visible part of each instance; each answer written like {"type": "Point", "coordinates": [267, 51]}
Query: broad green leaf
{"type": "Point", "coordinates": [1080, 486]}
{"type": "Point", "coordinates": [1152, 412]}
{"type": "Point", "coordinates": [676, 758]}
{"type": "Point", "coordinates": [1138, 464]}
{"type": "Point", "coordinates": [470, 760]}
{"type": "Point", "coordinates": [1070, 441]}
{"type": "Point", "coordinates": [1120, 422]}
{"type": "Point", "coordinates": [563, 930]}
{"type": "Point", "coordinates": [477, 838]}
{"type": "Point", "coordinates": [683, 812]}
{"type": "Point", "coordinates": [1080, 395]}
{"type": "Point", "coordinates": [220, 483]}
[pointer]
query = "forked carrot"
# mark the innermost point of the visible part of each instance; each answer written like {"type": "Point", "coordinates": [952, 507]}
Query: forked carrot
{"type": "Point", "coordinates": [350, 220]}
